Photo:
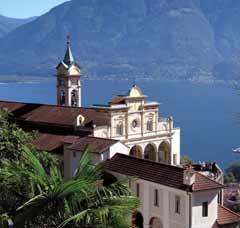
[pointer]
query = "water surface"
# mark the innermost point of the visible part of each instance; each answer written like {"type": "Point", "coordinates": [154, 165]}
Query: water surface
{"type": "Point", "coordinates": [205, 113]}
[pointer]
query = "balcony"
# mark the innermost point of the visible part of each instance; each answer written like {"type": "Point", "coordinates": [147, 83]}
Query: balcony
{"type": "Point", "coordinates": [211, 170]}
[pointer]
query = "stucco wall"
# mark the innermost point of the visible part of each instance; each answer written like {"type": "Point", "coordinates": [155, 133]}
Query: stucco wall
{"type": "Point", "coordinates": [165, 211]}
{"type": "Point", "coordinates": [198, 221]}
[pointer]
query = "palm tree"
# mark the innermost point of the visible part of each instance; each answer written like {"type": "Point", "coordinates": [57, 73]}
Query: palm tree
{"type": "Point", "coordinates": [82, 201]}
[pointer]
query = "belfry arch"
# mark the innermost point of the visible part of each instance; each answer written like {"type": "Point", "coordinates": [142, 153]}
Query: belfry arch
{"type": "Point", "coordinates": [136, 151]}
{"type": "Point", "coordinates": [164, 153]}
{"type": "Point", "coordinates": [150, 152]}
{"type": "Point", "coordinates": [74, 98]}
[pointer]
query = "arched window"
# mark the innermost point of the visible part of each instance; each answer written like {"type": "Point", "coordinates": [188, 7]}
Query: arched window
{"type": "Point", "coordinates": [137, 220]}
{"type": "Point", "coordinates": [155, 223]}
{"type": "Point", "coordinates": [62, 98]}
{"type": "Point", "coordinates": [164, 153]}
{"type": "Point", "coordinates": [119, 128]}
{"type": "Point", "coordinates": [80, 120]}
{"type": "Point", "coordinates": [149, 125]}
{"type": "Point", "coordinates": [74, 98]}
{"type": "Point", "coordinates": [150, 152]}
{"type": "Point", "coordinates": [136, 151]}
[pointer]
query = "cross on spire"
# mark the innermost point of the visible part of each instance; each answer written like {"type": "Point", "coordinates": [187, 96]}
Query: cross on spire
{"type": "Point", "coordinates": [134, 81]}
{"type": "Point", "coordinates": [68, 40]}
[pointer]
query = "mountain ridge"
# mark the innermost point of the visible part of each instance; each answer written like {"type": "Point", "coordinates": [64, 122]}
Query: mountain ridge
{"type": "Point", "coordinates": [174, 39]}
{"type": "Point", "coordinates": [8, 24]}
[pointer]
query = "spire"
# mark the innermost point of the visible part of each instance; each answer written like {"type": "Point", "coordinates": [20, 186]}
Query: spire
{"type": "Point", "coordinates": [134, 82]}
{"type": "Point", "coordinates": [68, 58]}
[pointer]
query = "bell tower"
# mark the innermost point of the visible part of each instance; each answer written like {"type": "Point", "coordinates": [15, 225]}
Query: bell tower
{"type": "Point", "coordinates": [68, 80]}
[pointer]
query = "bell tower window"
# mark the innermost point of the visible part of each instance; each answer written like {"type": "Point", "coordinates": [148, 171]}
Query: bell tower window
{"type": "Point", "coordinates": [62, 98]}
{"type": "Point", "coordinates": [74, 98]}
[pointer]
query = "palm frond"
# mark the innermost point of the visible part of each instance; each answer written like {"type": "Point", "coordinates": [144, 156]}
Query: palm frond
{"type": "Point", "coordinates": [34, 164]}
{"type": "Point", "coordinates": [55, 177]}
{"type": "Point", "coordinates": [68, 188]}
{"type": "Point", "coordinates": [111, 207]}
{"type": "Point", "coordinates": [86, 168]}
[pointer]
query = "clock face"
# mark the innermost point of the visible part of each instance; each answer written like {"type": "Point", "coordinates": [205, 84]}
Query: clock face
{"type": "Point", "coordinates": [134, 123]}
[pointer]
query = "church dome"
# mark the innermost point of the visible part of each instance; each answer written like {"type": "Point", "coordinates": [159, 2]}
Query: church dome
{"type": "Point", "coordinates": [135, 92]}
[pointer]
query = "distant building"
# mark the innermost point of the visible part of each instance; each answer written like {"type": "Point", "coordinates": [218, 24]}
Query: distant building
{"type": "Point", "coordinates": [130, 139]}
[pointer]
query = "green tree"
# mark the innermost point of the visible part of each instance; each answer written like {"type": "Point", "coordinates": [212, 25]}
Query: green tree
{"type": "Point", "coordinates": [233, 171]}
{"type": "Point", "coordinates": [33, 193]}
{"type": "Point", "coordinates": [229, 178]}
{"type": "Point", "coordinates": [81, 201]}
{"type": "Point", "coordinates": [13, 141]}
{"type": "Point", "coordinates": [12, 138]}
{"type": "Point", "coordinates": [186, 160]}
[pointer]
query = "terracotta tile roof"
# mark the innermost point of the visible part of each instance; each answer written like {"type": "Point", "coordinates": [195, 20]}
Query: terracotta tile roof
{"type": "Point", "coordinates": [51, 142]}
{"type": "Point", "coordinates": [163, 174]}
{"type": "Point", "coordinates": [226, 216]}
{"type": "Point", "coordinates": [203, 183]}
{"type": "Point", "coordinates": [59, 115]}
{"type": "Point", "coordinates": [11, 106]}
{"type": "Point", "coordinates": [52, 114]}
{"type": "Point", "coordinates": [97, 144]}
{"type": "Point", "coordinates": [120, 99]}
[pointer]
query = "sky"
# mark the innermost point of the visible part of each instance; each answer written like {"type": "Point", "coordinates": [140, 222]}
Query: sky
{"type": "Point", "coordinates": [26, 8]}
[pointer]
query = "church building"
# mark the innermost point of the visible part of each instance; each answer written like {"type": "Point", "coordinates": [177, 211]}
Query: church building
{"type": "Point", "coordinates": [131, 138]}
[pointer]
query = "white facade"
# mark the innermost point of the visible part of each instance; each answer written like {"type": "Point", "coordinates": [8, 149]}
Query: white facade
{"type": "Point", "coordinates": [198, 221]}
{"type": "Point", "coordinates": [72, 157]}
{"type": "Point", "coordinates": [167, 212]}
{"type": "Point", "coordinates": [135, 122]}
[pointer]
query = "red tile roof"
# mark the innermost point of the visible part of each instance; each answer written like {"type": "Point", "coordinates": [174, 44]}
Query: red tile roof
{"type": "Point", "coordinates": [11, 106]}
{"type": "Point", "coordinates": [51, 142]}
{"type": "Point", "coordinates": [97, 144]}
{"type": "Point", "coordinates": [59, 115]}
{"type": "Point", "coordinates": [120, 99]}
{"type": "Point", "coordinates": [226, 216]}
{"type": "Point", "coordinates": [163, 174]}
{"type": "Point", "coordinates": [203, 183]}
{"type": "Point", "coordinates": [52, 114]}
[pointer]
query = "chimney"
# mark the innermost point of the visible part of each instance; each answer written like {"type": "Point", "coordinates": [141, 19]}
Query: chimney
{"type": "Point", "coordinates": [189, 176]}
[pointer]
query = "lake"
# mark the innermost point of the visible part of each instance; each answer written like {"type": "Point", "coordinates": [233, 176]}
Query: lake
{"type": "Point", "coordinates": [205, 113]}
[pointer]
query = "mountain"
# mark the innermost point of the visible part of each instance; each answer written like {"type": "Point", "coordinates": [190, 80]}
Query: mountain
{"type": "Point", "coordinates": [8, 24]}
{"type": "Point", "coordinates": [167, 39]}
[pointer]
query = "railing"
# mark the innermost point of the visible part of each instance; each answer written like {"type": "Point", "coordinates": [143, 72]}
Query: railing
{"type": "Point", "coordinates": [211, 170]}
{"type": "Point", "coordinates": [164, 126]}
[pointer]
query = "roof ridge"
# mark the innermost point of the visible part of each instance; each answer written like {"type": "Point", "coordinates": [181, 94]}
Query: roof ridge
{"type": "Point", "coordinates": [149, 161]}
{"type": "Point", "coordinates": [107, 139]}
{"type": "Point", "coordinates": [50, 105]}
